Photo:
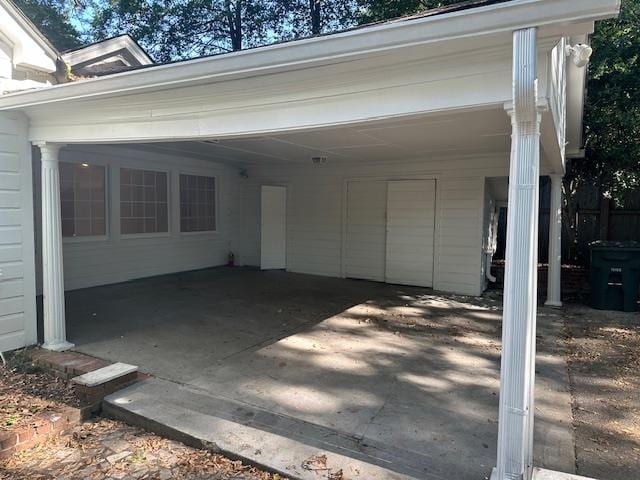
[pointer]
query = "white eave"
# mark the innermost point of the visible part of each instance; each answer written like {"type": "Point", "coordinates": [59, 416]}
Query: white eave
{"type": "Point", "coordinates": [30, 48]}
{"type": "Point", "coordinates": [122, 45]}
{"type": "Point", "coordinates": [553, 17]}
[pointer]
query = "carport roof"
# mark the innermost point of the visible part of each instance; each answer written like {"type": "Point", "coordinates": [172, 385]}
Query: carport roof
{"type": "Point", "coordinates": [471, 20]}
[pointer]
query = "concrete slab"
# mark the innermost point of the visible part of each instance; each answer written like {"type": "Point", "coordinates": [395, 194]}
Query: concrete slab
{"type": "Point", "coordinates": [291, 448]}
{"type": "Point", "coordinates": [398, 374]}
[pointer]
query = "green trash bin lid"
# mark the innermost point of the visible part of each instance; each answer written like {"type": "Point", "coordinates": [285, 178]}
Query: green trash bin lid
{"type": "Point", "coordinates": [609, 245]}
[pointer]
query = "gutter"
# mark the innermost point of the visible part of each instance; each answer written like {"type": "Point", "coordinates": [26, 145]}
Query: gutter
{"type": "Point", "coordinates": [336, 48]}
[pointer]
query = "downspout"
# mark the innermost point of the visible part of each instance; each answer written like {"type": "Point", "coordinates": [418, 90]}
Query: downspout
{"type": "Point", "coordinates": [488, 260]}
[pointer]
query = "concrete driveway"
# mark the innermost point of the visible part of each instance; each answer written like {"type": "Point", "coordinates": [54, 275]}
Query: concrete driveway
{"type": "Point", "coordinates": [400, 377]}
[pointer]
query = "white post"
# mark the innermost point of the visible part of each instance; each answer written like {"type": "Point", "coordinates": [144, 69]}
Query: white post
{"type": "Point", "coordinates": [554, 298]}
{"type": "Point", "coordinates": [55, 337]}
{"type": "Point", "coordinates": [515, 429]}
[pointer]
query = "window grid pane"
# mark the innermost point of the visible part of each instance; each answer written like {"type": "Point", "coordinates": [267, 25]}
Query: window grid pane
{"type": "Point", "coordinates": [143, 201]}
{"type": "Point", "coordinates": [197, 203]}
{"type": "Point", "coordinates": [83, 199]}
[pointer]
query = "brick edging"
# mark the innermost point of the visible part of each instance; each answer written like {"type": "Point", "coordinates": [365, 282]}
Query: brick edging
{"type": "Point", "coordinates": [42, 427]}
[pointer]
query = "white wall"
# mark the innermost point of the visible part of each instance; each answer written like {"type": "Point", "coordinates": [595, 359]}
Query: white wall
{"type": "Point", "coordinates": [17, 285]}
{"type": "Point", "coordinates": [316, 214]}
{"type": "Point", "coordinates": [115, 258]}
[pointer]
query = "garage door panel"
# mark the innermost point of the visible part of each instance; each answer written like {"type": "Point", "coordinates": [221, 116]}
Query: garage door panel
{"type": "Point", "coordinates": [365, 230]}
{"type": "Point", "coordinates": [410, 232]}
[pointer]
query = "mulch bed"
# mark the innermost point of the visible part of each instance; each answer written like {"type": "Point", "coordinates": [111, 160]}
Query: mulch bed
{"type": "Point", "coordinates": [604, 361]}
{"type": "Point", "coordinates": [26, 391]}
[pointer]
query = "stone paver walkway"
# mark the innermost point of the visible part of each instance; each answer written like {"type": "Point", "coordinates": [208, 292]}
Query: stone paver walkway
{"type": "Point", "coordinates": [105, 449]}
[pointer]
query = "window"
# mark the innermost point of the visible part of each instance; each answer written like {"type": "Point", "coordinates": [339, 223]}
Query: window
{"type": "Point", "coordinates": [197, 203]}
{"type": "Point", "coordinates": [143, 201]}
{"type": "Point", "coordinates": [83, 201]}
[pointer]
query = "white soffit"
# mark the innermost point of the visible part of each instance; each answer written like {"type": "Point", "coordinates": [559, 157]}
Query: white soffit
{"type": "Point", "coordinates": [480, 132]}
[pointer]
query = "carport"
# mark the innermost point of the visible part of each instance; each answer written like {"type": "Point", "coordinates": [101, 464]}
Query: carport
{"type": "Point", "coordinates": [337, 122]}
{"type": "Point", "coordinates": [400, 378]}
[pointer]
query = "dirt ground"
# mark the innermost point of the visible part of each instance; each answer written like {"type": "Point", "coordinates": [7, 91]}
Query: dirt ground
{"type": "Point", "coordinates": [106, 449]}
{"type": "Point", "coordinates": [604, 360]}
{"type": "Point", "coordinates": [26, 391]}
{"type": "Point", "coordinates": [99, 449]}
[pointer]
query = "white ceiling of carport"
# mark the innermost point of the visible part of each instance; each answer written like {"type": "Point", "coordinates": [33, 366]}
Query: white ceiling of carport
{"type": "Point", "coordinates": [464, 132]}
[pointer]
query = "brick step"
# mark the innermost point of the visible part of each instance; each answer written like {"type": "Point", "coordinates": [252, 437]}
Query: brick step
{"type": "Point", "coordinates": [95, 385]}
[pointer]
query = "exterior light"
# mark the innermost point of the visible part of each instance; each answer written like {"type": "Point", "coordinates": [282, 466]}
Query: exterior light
{"type": "Point", "coordinates": [580, 54]}
{"type": "Point", "coordinates": [85, 165]}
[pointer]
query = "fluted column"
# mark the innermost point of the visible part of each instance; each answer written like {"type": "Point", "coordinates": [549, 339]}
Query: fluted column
{"type": "Point", "coordinates": [515, 430]}
{"type": "Point", "coordinates": [55, 337]}
{"type": "Point", "coordinates": [554, 298]}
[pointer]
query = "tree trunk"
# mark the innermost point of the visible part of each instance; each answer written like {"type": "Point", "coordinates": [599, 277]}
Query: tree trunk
{"type": "Point", "coordinates": [315, 8]}
{"type": "Point", "coordinates": [233, 14]}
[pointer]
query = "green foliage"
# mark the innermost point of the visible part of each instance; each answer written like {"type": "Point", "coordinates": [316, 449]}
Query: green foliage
{"type": "Point", "coordinates": [612, 116]}
{"type": "Point", "coordinates": [51, 17]}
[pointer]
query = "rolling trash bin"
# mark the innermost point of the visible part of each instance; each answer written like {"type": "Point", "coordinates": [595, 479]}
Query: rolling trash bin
{"type": "Point", "coordinates": [615, 275]}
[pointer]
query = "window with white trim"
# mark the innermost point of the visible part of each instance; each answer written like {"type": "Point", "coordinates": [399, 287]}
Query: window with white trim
{"type": "Point", "coordinates": [83, 199]}
{"type": "Point", "coordinates": [197, 203]}
{"type": "Point", "coordinates": [143, 201]}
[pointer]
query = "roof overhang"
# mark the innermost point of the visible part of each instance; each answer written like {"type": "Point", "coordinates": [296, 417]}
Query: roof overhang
{"type": "Point", "coordinates": [450, 32]}
{"type": "Point", "coordinates": [122, 46]}
{"type": "Point", "coordinates": [31, 49]}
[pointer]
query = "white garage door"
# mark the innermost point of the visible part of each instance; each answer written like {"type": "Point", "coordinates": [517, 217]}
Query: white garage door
{"type": "Point", "coordinates": [410, 229]}
{"type": "Point", "coordinates": [390, 231]}
{"type": "Point", "coordinates": [365, 236]}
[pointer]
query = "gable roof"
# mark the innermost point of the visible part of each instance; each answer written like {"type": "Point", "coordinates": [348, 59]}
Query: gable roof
{"type": "Point", "coordinates": [112, 55]}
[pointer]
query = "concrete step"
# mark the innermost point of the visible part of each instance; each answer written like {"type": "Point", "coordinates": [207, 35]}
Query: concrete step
{"type": "Point", "coordinates": [104, 374]}
{"type": "Point", "coordinates": [291, 447]}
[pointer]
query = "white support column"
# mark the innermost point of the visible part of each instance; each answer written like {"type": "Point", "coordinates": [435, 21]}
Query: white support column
{"type": "Point", "coordinates": [554, 298]}
{"type": "Point", "coordinates": [515, 430]}
{"type": "Point", "coordinates": [55, 337]}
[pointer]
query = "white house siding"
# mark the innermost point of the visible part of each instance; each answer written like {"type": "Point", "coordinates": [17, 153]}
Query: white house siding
{"type": "Point", "coordinates": [17, 286]}
{"type": "Point", "coordinates": [115, 258]}
{"type": "Point", "coordinates": [317, 212]}
{"type": "Point", "coordinates": [459, 235]}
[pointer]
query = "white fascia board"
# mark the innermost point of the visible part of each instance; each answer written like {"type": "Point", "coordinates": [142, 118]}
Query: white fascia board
{"type": "Point", "coordinates": [107, 48]}
{"type": "Point", "coordinates": [335, 48]}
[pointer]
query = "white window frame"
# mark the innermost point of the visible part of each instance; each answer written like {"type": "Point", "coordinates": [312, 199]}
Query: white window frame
{"type": "Point", "coordinates": [136, 166]}
{"type": "Point", "coordinates": [107, 203]}
{"type": "Point", "coordinates": [216, 200]}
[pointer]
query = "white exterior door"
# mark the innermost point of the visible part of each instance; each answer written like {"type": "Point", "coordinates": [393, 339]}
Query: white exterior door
{"type": "Point", "coordinates": [410, 232]}
{"type": "Point", "coordinates": [273, 228]}
{"type": "Point", "coordinates": [365, 230]}
{"type": "Point", "coordinates": [17, 265]}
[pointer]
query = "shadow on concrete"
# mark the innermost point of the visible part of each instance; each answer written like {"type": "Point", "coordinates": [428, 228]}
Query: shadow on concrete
{"type": "Point", "coordinates": [406, 375]}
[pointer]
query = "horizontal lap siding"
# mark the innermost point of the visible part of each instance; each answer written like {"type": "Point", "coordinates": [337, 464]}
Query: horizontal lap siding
{"type": "Point", "coordinates": [315, 214]}
{"type": "Point", "coordinates": [17, 283]}
{"type": "Point", "coordinates": [89, 262]}
{"type": "Point", "coordinates": [458, 259]}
